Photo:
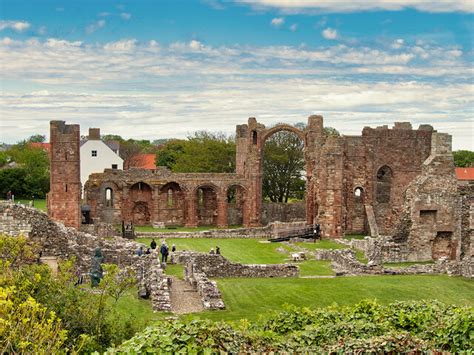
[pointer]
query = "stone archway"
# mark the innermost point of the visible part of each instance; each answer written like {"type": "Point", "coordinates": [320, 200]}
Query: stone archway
{"type": "Point", "coordinates": [141, 214]}
{"type": "Point", "coordinates": [236, 205]}
{"type": "Point", "coordinates": [206, 205]}
{"type": "Point", "coordinates": [250, 144]}
{"type": "Point", "coordinates": [171, 204]}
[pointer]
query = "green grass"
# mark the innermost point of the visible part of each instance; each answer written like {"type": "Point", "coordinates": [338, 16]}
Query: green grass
{"type": "Point", "coordinates": [179, 229]}
{"type": "Point", "coordinates": [316, 268]}
{"type": "Point", "coordinates": [408, 263]}
{"type": "Point", "coordinates": [246, 251]}
{"type": "Point", "coordinates": [247, 298]}
{"type": "Point", "coordinates": [360, 256]}
{"type": "Point", "coordinates": [321, 244]}
{"type": "Point", "coordinates": [132, 306]}
{"type": "Point", "coordinates": [175, 270]}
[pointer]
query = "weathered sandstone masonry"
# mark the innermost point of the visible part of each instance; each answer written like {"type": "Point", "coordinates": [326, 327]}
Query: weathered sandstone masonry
{"type": "Point", "coordinates": [355, 184]}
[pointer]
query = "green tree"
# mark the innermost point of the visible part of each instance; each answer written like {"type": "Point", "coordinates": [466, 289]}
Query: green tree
{"type": "Point", "coordinates": [463, 158]}
{"type": "Point", "coordinates": [37, 138]}
{"type": "Point", "coordinates": [283, 167]}
{"type": "Point", "coordinates": [202, 152]}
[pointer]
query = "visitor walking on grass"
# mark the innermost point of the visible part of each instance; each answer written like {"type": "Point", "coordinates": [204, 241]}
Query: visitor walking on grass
{"type": "Point", "coordinates": [164, 252]}
{"type": "Point", "coordinates": [153, 244]}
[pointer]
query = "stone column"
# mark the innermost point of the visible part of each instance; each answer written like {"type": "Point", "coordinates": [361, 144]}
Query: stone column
{"type": "Point", "coordinates": [190, 203]}
{"type": "Point", "coordinates": [222, 210]}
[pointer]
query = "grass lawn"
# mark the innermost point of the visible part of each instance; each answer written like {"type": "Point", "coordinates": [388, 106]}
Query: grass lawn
{"type": "Point", "coordinates": [360, 256]}
{"type": "Point", "coordinates": [247, 298]}
{"type": "Point", "coordinates": [246, 251]}
{"type": "Point", "coordinates": [408, 263]}
{"type": "Point", "coordinates": [132, 306]}
{"type": "Point", "coordinates": [354, 236]}
{"type": "Point", "coordinates": [179, 229]}
{"type": "Point", "coordinates": [321, 244]}
{"type": "Point", "coordinates": [175, 270]}
{"type": "Point", "coordinates": [316, 268]}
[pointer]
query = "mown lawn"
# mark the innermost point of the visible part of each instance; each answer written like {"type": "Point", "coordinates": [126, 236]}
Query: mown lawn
{"type": "Point", "coordinates": [408, 263]}
{"type": "Point", "coordinates": [179, 229]}
{"type": "Point", "coordinates": [322, 244]}
{"type": "Point", "coordinates": [247, 298]}
{"type": "Point", "coordinates": [247, 251]}
{"type": "Point", "coordinates": [130, 306]}
{"type": "Point", "coordinates": [316, 268]}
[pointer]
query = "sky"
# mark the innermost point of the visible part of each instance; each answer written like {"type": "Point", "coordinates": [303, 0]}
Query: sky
{"type": "Point", "coordinates": [151, 69]}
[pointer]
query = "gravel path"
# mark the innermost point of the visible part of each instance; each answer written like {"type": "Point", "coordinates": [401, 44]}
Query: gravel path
{"type": "Point", "coordinates": [183, 298]}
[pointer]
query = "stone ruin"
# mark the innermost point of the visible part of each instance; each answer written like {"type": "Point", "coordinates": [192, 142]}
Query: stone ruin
{"type": "Point", "coordinates": [396, 182]}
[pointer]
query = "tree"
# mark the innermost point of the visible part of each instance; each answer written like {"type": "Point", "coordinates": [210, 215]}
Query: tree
{"type": "Point", "coordinates": [37, 138]}
{"type": "Point", "coordinates": [463, 158]}
{"type": "Point", "coordinates": [203, 152]}
{"type": "Point", "coordinates": [283, 166]}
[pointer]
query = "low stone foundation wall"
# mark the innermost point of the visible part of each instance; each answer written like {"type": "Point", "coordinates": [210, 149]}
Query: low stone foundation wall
{"type": "Point", "coordinates": [207, 289]}
{"type": "Point", "coordinates": [272, 230]}
{"type": "Point", "coordinates": [380, 249]}
{"type": "Point", "coordinates": [153, 282]}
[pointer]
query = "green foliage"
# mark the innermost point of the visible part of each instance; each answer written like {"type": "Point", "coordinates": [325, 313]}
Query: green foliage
{"type": "Point", "coordinates": [37, 138]}
{"type": "Point", "coordinates": [28, 327]}
{"type": "Point", "coordinates": [202, 152]}
{"type": "Point", "coordinates": [463, 158]}
{"type": "Point", "coordinates": [31, 175]}
{"type": "Point", "coordinates": [283, 164]}
{"type": "Point", "coordinates": [364, 327]}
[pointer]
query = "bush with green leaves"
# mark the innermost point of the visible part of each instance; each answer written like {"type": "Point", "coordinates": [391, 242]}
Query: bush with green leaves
{"type": "Point", "coordinates": [364, 327]}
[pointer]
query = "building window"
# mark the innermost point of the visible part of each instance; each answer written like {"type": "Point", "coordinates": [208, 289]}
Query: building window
{"type": "Point", "coordinates": [114, 166]}
{"type": "Point", "coordinates": [109, 197]}
{"type": "Point", "coordinates": [170, 198]}
{"type": "Point", "coordinates": [94, 153]}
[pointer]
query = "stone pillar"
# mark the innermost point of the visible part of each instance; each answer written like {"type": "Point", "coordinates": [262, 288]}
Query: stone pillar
{"type": "Point", "coordinates": [190, 203]}
{"type": "Point", "coordinates": [222, 210]}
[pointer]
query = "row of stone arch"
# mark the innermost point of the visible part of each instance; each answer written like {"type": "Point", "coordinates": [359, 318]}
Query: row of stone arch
{"type": "Point", "coordinates": [172, 204]}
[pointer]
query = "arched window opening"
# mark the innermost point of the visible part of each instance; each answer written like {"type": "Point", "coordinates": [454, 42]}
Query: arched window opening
{"type": "Point", "coordinates": [200, 197]}
{"type": "Point", "coordinates": [254, 137]}
{"type": "Point", "coordinates": [358, 192]}
{"type": "Point", "coordinates": [109, 201]}
{"type": "Point", "coordinates": [170, 198]}
{"type": "Point", "coordinates": [384, 184]}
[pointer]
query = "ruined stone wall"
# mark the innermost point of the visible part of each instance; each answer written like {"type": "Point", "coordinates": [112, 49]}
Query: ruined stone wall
{"type": "Point", "coordinates": [433, 207]}
{"type": "Point", "coordinates": [283, 212]}
{"type": "Point", "coordinates": [218, 266]}
{"type": "Point", "coordinates": [403, 151]}
{"type": "Point", "coordinates": [65, 180]}
{"type": "Point", "coordinates": [466, 192]}
{"type": "Point", "coordinates": [54, 239]}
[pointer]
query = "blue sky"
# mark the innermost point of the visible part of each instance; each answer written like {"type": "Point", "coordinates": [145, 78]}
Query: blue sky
{"type": "Point", "coordinates": [156, 69]}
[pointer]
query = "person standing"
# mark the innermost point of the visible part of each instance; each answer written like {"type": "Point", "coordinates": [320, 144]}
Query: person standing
{"type": "Point", "coordinates": [164, 252]}
{"type": "Point", "coordinates": [153, 244]}
{"type": "Point", "coordinates": [218, 250]}
{"type": "Point", "coordinates": [9, 195]}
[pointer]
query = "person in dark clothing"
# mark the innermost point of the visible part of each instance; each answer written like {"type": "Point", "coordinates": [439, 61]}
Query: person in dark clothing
{"type": "Point", "coordinates": [218, 250]}
{"type": "Point", "coordinates": [318, 231]}
{"type": "Point", "coordinates": [173, 248]}
{"type": "Point", "coordinates": [9, 196]}
{"type": "Point", "coordinates": [147, 251]}
{"type": "Point", "coordinates": [153, 244]}
{"type": "Point", "coordinates": [164, 252]}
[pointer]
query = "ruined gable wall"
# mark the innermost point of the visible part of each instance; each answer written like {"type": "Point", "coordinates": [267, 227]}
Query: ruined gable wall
{"type": "Point", "coordinates": [432, 207]}
{"type": "Point", "coordinates": [403, 150]}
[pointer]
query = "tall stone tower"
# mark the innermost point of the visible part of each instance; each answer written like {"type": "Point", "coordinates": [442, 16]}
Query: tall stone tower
{"type": "Point", "coordinates": [64, 198]}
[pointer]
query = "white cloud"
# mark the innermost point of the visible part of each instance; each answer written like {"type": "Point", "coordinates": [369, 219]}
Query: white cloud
{"type": "Point", "coordinates": [196, 45]}
{"type": "Point", "coordinates": [328, 6]}
{"type": "Point", "coordinates": [294, 27]}
{"type": "Point", "coordinates": [277, 22]}
{"type": "Point", "coordinates": [398, 43]}
{"type": "Point", "coordinates": [120, 46]}
{"type": "Point", "coordinates": [42, 30]}
{"type": "Point", "coordinates": [329, 33]}
{"type": "Point", "coordinates": [183, 87]}
{"type": "Point", "coordinates": [18, 26]}
{"type": "Point", "coordinates": [95, 26]}
{"type": "Point", "coordinates": [125, 16]}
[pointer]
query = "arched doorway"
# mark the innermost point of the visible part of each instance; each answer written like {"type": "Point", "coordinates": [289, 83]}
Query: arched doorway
{"type": "Point", "coordinates": [235, 205]}
{"type": "Point", "coordinates": [142, 203]}
{"type": "Point", "coordinates": [171, 205]}
{"type": "Point", "coordinates": [206, 197]}
{"type": "Point", "coordinates": [283, 174]}
{"type": "Point", "coordinates": [359, 224]}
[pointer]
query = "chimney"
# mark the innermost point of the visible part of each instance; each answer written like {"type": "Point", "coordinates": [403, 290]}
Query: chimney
{"type": "Point", "coordinates": [94, 134]}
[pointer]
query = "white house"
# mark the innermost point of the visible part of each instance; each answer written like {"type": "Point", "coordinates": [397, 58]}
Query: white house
{"type": "Point", "coordinates": [97, 156]}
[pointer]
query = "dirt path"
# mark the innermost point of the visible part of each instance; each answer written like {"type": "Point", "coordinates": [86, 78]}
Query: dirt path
{"type": "Point", "coordinates": [183, 298]}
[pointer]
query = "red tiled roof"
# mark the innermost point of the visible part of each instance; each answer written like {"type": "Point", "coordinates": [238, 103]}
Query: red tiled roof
{"type": "Point", "coordinates": [465, 173]}
{"type": "Point", "coordinates": [144, 161]}
{"type": "Point", "coordinates": [45, 146]}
